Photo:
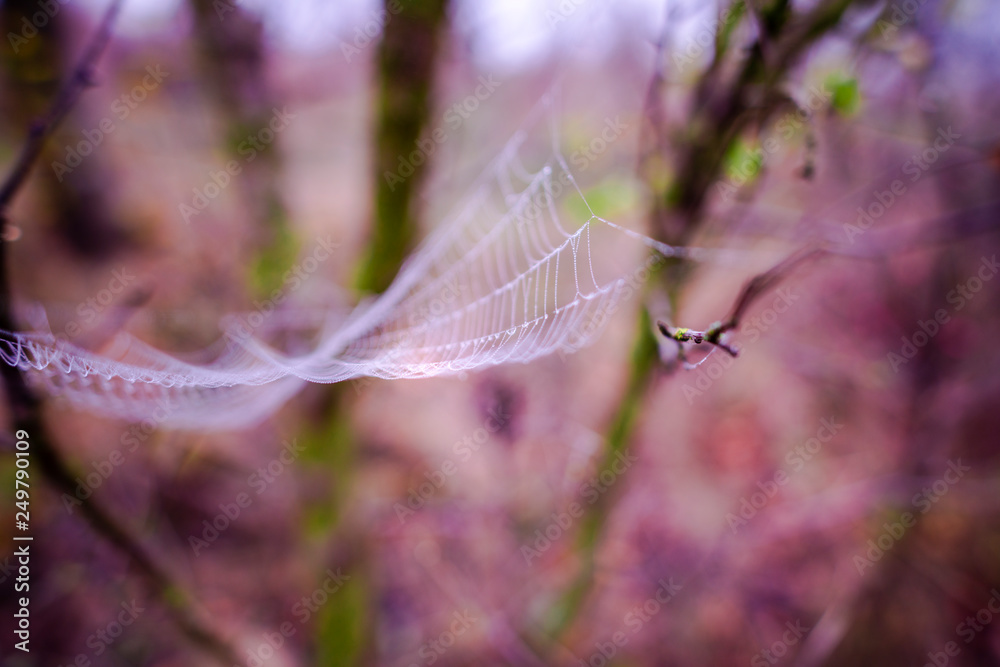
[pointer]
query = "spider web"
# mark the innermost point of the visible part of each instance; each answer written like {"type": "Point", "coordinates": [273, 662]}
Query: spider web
{"type": "Point", "coordinates": [511, 276]}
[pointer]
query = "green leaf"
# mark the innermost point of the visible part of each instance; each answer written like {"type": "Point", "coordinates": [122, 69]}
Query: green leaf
{"type": "Point", "coordinates": [846, 97]}
{"type": "Point", "coordinates": [742, 162]}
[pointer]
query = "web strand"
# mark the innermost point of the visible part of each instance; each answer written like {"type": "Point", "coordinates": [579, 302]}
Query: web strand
{"type": "Point", "coordinates": [509, 278]}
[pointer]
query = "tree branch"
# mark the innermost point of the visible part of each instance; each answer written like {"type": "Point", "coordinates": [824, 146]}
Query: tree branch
{"type": "Point", "coordinates": [26, 407]}
{"type": "Point", "coordinates": [755, 287]}
{"type": "Point", "coordinates": [66, 99]}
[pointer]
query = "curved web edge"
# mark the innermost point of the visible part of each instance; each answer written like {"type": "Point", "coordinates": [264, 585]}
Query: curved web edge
{"type": "Point", "coordinates": [507, 279]}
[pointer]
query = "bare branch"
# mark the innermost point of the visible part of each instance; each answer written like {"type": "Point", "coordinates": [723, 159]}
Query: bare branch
{"type": "Point", "coordinates": [755, 287]}
{"type": "Point", "coordinates": [26, 407]}
{"type": "Point", "coordinates": [67, 97]}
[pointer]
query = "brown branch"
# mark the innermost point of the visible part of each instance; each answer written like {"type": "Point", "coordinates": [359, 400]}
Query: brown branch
{"type": "Point", "coordinates": [721, 111]}
{"type": "Point", "coordinates": [26, 407]}
{"type": "Point", "coordinates": [754, 288]}
{"type": "Point", "coordinates": [67, 97]}
{"type": "Point", "coordinates": [722, 116]}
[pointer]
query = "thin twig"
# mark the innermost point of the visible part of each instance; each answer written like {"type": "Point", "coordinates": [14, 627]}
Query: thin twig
{"type": "Point", "coordinates": [754, 288]}
{"type": "Point", "coordinates": [725, 105]}
{"type": "Point", "coordinates": [26, 407]}
{"type": "Point", "coordinates": [67, 97]}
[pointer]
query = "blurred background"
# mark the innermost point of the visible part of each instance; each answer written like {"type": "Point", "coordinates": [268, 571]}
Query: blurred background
{"type": "Point", "coordinates": [830, 496]}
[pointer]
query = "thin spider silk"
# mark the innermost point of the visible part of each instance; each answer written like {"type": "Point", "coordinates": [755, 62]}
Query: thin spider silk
{"type": "Point", "coordinates": [508, 278]}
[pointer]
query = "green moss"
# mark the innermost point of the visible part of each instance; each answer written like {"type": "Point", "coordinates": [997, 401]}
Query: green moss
{"type": "Point", "coordinates": [275, 258]}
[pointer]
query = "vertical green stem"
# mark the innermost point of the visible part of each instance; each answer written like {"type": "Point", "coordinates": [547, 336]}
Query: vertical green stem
{"type": "Point", "coordinates": [676, 213]}
{"type": "Point", "coordinates": [406, 76]}
{"type": "Point", "coordinates": [406, 63]}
